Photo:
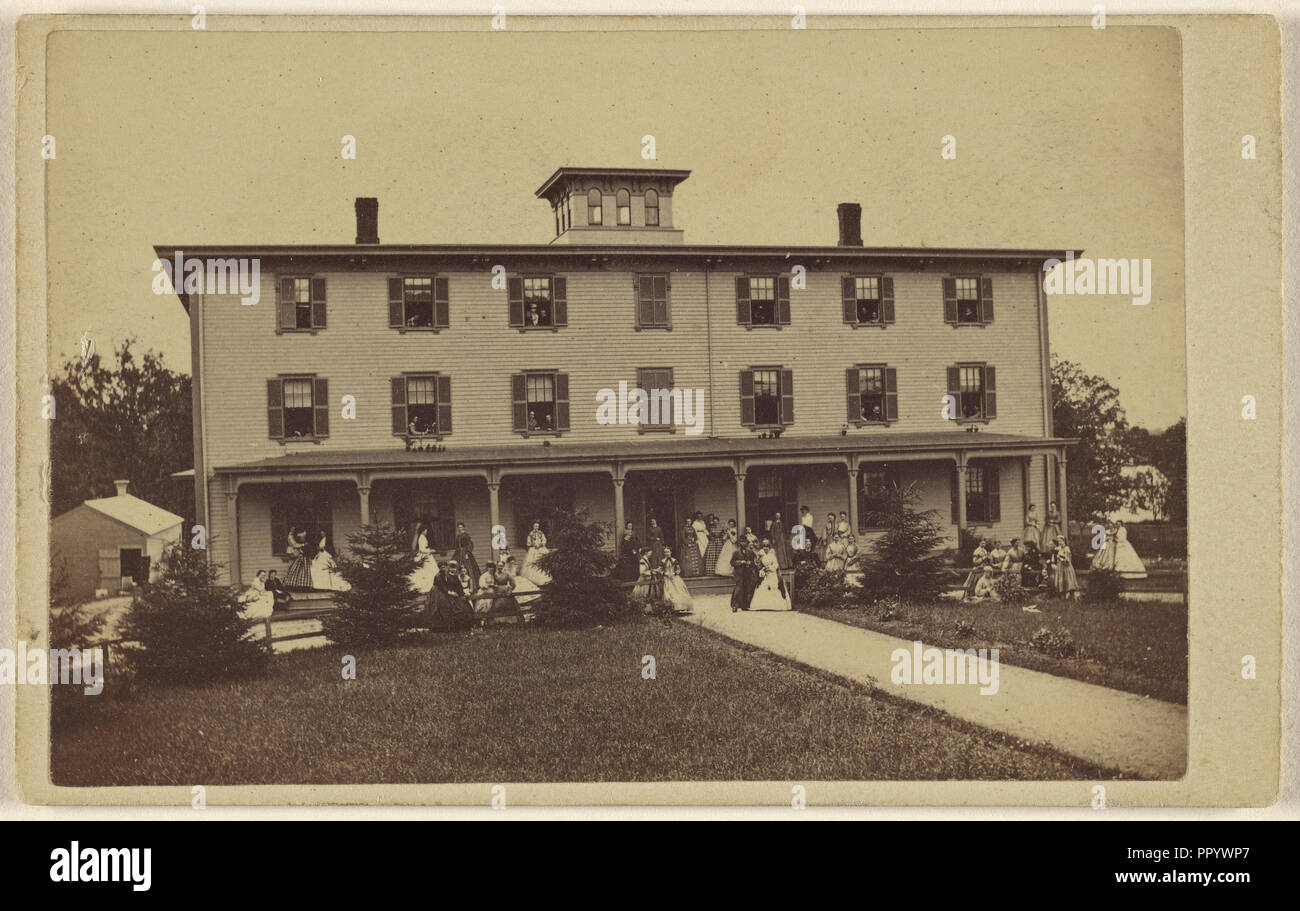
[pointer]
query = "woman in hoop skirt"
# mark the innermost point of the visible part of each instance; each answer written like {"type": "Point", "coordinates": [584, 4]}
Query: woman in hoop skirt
{"type": "Point", "coordinates": [426, 566]}
{"type": "Point", "coordinates": [298, 575]}
{"type": "Point", "coordinates": [536, 548]}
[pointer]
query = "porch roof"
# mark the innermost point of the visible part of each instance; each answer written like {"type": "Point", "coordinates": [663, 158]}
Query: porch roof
{"type": "Point", "coordinates": [662, 448]}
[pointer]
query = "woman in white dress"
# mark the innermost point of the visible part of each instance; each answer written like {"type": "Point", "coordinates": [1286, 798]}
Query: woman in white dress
{"type": "Point", "coordinates": [525, 591]}
{"type": "Point", "coordinates": [426, 567]}
{"type": "Point", "coordinates": [701, 535]}
{"type": "Point", "coordinates": [1127, 562]}
{"type": "Point", "coordinates": [729, 541]}
{"type": "Point", "coordinates": [675, 591]}
{"type": "Point", "coordinates": [853, 573]}
{"type": "Point", "coordinates": [536, 542]}
{"type": "Point", "coordinates": [837, 553]}
{"type": "Point", "coordinates": [770, 593]}
{"type": "Point", "coordinates": [258, 602]}
{"type": "Point", "coordinates": [324, 571]}
{"type": "Point", "coordinates": [1104, 559]}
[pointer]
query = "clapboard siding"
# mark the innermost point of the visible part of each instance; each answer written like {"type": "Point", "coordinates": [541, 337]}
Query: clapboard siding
{"type": "Point", "coordinates": [358, 353]}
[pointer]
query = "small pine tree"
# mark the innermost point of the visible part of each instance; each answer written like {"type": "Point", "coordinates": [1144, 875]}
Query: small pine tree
{"type": "Point", "coordinates": [905, 563]}
{"type": "Point", "coordinates": [380, 605]}
{"type": "Point", "coordinates": [72, 625]}
{"type": "Point", "coordinates": [185, 628]}
{"type": "Point", "coordinates": [581, 590]}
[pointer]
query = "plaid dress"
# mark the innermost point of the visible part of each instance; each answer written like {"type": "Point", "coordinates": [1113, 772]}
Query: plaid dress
{"type": "Point", "coordinates": [298, 575]}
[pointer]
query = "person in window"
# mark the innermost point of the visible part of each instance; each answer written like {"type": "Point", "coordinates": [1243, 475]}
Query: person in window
{"type": "Point", "coordinates": [546, 422]}
{"type": "Point", "coordinates": [464, 554]}
{"type": "Point", "coordinates": [875, 413]}
{"type": "Point", "coordinates": [298, 575]}
{"type": "Point", "coordinates": [537, 549]}
{"type": "Point", "coordinates": [415, 429]}
{"type": "Point", "coordinates": [532, 421]}
{"type": "Point", "coordinates": [692, 564]}
{"type": "Point", "coordinates": [426, 564]}
{"type": "Point", "coordinates": [324, 571]}
{"type": "Point", "coordinates": [730, 538]}
{"type": "Point", "coordinates": [675, 591]}
{"type": "Point", "coordinates": [257, 600]}
{"type": "Point", "coordinates": [534, 316]}
{"type": "Point", "coordinates": [275, 585]}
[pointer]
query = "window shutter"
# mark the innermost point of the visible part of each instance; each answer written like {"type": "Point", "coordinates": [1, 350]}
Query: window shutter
{"type": "Point", "coordinates": [661, 300]}
{"type": "Point", "coordinates": [954, 389]}
{"type": "Point", "coordinates": [518, 402]}
{"type": "Point", "coordinates": [320, 400]}
{"type": "Point", "coordinates": [444, 403]}
{"type": "Point", "coordinates": [643, 286]}
{"type": "Point", "coordinates": [560, 301]}
{"type": "Point", "coordinates": [849, 298]}
{"type": "Point", "coordinates": [887, 299]}
{"type": "Point", "coordinates": [891, 393]}
{"type": "Point", "coordinates": [515, 291]}
{"type": "Point", "coordinates": [787, 397]}
{"type": "Point", "coordinates": [986, 300]}
{"type": "Point", "coordinates": [994, 493]}
{"type": "Point", "coordinates": [284, 304]}
{"type": "Point", "coordinates": [952, 493]}
{"type": "Point", "coordinates": [783, 300]}
{"type": "Point", "coordinates": [743, 311]}
{"type": "Point", "coordinates": [852, 395]}
{"type": "Point", "coordinates": [275, 409]}
{"type": "Point", "coordinates": [397, 396]}
{"type": "Point", "coordinates": [950, 300]}
{"type": "Point", "coordinates": [747, 398]}
{"type": "Point", "coordinates": [441, 304]}
{"type": "Point", "coordinates": [318, 303]}
{"type": "Point", "coordinates": [561, 401]}
{"type": "Point", "coordinates": [396, 318]}
{"type": "Point", "coordinates": [990, 392]}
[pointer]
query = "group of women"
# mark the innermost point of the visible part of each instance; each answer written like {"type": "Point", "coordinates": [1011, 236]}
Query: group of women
{"type": "Point", "coordinates": [1051, 568]}
{"type": "Point", "coordinates": [311, 568]}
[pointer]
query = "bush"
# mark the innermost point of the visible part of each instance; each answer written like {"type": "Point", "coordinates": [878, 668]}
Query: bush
{"type": "Point", "coordinates": [185, 628]}
{"type": "Point", "coordinates": [904, 559]}
{"type": "Point", "coordinates": [816, 588]}
{"type": "Point", "coordinates": [581, 591]}
{"type": "Point", "coordinates": [1011, 591]}
{"type": "Point", "coordinates": [1104, 585]}
{"type": "Point", "coordinates": [1058, 644]}
{"type": "Point", "coordinates": [380, 605]}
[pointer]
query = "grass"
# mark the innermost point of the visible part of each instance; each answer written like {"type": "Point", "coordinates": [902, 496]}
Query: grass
{"type": "Point", "coordinates": [1138, 647]}
{"type": "Point", "coordinates": [523, 704]}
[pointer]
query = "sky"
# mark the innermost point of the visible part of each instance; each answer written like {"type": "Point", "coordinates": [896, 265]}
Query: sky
{"type": "Point", "coordinates": [1065, 138]}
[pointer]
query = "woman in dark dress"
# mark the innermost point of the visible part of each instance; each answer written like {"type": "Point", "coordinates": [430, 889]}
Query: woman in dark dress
{"type": "Point", "coordinates": [654, 539]}
{"type": "Point", "coordinates": [781, 543]}
{"type": "Point", "coordinates": [711, 553]}
{"type": "Point", "coordinates": [691, 563]}
{"type": "Point", "coordinates": [464, 555]}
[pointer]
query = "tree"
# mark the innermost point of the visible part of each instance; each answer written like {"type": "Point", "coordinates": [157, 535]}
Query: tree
{"type": "Point", "coordinates": [130, 419]}
{"type": "Point", "coordinates": [581, 590]}
{"type": "Point", "coordinates": [905, 559]}
{"type": "Point", "coordinates": [1088, 407]}
{"type": "Point", "coordinates": [185, 628]}
{"type": "Point", "coordinates": [380, 605]}
{"type": "Point", "coordinates": [1168, 453]}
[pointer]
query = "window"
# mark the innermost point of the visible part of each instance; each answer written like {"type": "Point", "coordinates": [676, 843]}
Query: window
{"type": "Point", "coordinates": [660, 409]}
{"type": "Point", "coordinates": [421, 405]}
{"type": "Point", "coordinates": [300, 304]}
{"type": "Point", "coordinates": [763, 300]}
{"type": "Point", "coordinates": [871, 392]}
{"type": "Point", "coordinates": [418, 302]}
{"type": "Point", "coordinates": [974, 388]}
{"type": "Point", "coordinates": [540, 401]}
{"type": "Point", "coordinates": [868, 299]}
{"type": "Point", "coordinates": [983, 498]}
{"type": "Point", "coordinates": [297, 407]}
{"type": "Point", "coordinates": [968, 300]}
{"type": "Point", "coordinates": [302, 507]}
{"type": "Point", "coordinates": [877, 484]}
{"type": "Point", "coordinates": [766, 397]}
{"type": "Point", "coordinates": [652, 302]}
{"type": "Point", "coordinates": [651, 208]}
{"type": "Point", "coordinates": [624, 201]}
{"type": "Point", "coordinates": [537, 301]}
{"type": "Point", "coordinates": [594, 206]}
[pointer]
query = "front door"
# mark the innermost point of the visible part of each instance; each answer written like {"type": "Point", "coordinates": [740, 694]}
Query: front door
{"type": "Point", "coordinates": [767, 492]}
{"type": "Point", "coordinates": [661, 505]}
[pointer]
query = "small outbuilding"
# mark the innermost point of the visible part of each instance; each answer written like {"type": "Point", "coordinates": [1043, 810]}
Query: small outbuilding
{"type": "Point", "coordinates": [110, 545]}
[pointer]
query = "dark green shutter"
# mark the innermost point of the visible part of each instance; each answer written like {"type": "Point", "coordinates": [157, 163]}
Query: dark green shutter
{"type": "Point", "coordinates": [990, 392]}
{"type": "Point", "coordinates": [515, 292]}
{"type": "Point", "coordinates": [787, 398]}
{"type": "Point", "coordinates": [559, 301]}
{"type": "Point", "coordinates": [561, 401]}
{"type": "Point", "coordinates": [441, 304]}
{"type": "Point", "coordinates": [320, 401]}
{"type": "Point", "coordinates": [783, 300]}
{"type": "Point", "coordinates": [887, 299]}
{"type": "Point", "coordinates": [744, 314]}
{"type": "Point", "coordinates": [853, 395]}
{"type": "Point", "coordinates": [397, 397]}
{"type": "Point", "coordinates": [891, 393]}
{"type": "Point", "coordinates": [275, 409]}
{"type": "Point", "coordinates": [318, 303]}
{"type": "Point", "coordinates": [518, 402]}
{"type": "Point", "coordinates": [444, 403]}
{"type": "Point", "coordinates": [849, 298]}
{"type": "Point", "coordinates": [396, 317]}
{"type": "Point", "coordinates": [747, 398]}
{"type": "Point", "coordinates": [986, 300]}
{"type": "Point", "coordinates": [950, 300]}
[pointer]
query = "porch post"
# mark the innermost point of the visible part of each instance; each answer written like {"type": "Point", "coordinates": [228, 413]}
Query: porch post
{"type": "Point", "coordinates": [961, 496]}
{"type": "Point", "coordinates": [364, 494]}
{"type": "Point", "coordinates": [618, 516]}
{"type": "Point", "coordinates": [1060, 495]}
{"type": "Point", "coordinates": [740, 501]}
{"type": "Point", "coordinates": [494, 513]}
{"type": "Point", "coordinates": [853, 498]}
{"type": "Point", "coordinates": [232, 525]}
{"type": "Point", "coordinates": [1024, 484]}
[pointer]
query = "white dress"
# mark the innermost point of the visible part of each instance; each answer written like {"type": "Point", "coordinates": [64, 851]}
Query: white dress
{"type": "Point", "coordinates": [427, 567]}
{"type": "Point", "coordinates": [536, 548]}
{"type": "Point", "coordinates": [1127, 562]}
{"type": "Point", "coordinates": [723, 567]}
{"type": "Point", "coordinates": [526, 592]}
{"type": "Point", "coordinates": [675, 591]}
{"type": "Point", "coordinates": [325, 574]}
{"type": "Point", "coordinates": [767, 596]}
{"type": "Point", "coordinates": [701, 536]}
{"type": "Point", "coordinates": [258, 602]}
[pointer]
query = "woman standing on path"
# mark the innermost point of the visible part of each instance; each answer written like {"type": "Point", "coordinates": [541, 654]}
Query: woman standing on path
{"type": "Point", "coordinates": [770, 594]}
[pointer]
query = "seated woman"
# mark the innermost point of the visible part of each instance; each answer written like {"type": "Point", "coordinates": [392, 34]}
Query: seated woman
{"type": "Point", "coordinates": [986, 587]}
{"type": "Point", "coordinates": [525, 590]}
{"type": "Point", "coordinates": [649, 586]}
{"type": "Point", "coordinates": [675, 591]}
{"type": "Point", "coordinates": [258, 602]}
{"type": "Point", "coordinates": [537, 549]}
{"type": "Point", "coordinates": [979, 559]}
{"type": "Point", "coordinates": [324, 571]}
{"type": "Point", "coordinates": [837, 550]}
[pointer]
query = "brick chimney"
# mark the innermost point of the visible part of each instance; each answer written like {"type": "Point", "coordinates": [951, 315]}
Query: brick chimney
{"type": "Point", "coordinates": [367, 220]}
{"type": "Point", "coordinates": [850, 224]}
{"type": "Point", "coordinates": [121, 487]}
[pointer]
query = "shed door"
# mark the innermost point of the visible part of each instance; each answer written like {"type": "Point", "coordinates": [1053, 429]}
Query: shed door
{"type": "Point", "coordinates": [110, 567]}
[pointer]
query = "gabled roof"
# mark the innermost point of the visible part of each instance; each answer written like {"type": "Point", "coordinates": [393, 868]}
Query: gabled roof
{"type": "Point", "coordinates": [138, 514]}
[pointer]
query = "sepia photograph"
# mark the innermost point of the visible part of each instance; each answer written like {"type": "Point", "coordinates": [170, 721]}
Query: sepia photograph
{"type": "Point", "coordinates": [685, 405]}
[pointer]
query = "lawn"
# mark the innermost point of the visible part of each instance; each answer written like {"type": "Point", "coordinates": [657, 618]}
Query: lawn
{"type": "Point", "coordinates": [1139, 647]}
{"type": "Point", "coordinates": [524, 704]}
